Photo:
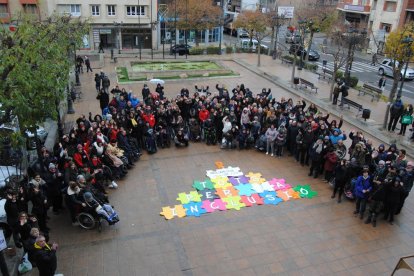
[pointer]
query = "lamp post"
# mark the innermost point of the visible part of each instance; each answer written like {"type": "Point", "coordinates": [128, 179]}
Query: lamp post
{"type": "Point", "coordinates": [407, 41]}
{"type": "Point", "coordinates": [221, 24]}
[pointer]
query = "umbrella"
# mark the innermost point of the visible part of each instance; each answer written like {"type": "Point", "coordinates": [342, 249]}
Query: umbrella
{"type": "Point", "coordinates": [157, 81]}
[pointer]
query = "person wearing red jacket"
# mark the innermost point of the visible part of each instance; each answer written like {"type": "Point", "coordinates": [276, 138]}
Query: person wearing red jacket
{"type": "Point", "coordinates": [81, 157]}
{"type": "Point", "coordinates": [203, 114]}
{"type": "Point", "coordinates": [149, 118]}
{"type": "Point", "coordinates": [331, 159]}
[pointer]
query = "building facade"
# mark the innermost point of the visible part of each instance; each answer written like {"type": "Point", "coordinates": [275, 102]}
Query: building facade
{"type": "Point", "coordinates": [380, 17]}
{"type": "Point", "coordinates": [117, 24]}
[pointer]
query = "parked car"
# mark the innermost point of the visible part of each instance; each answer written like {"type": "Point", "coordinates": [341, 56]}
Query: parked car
{"type": "Point", "coordinates": [180, 49]}
{"type": "Point", "coordinates": [6, 130]}
{"type": "Point", "coordinates": [313, 55]}
{"type": "Point", "coordinates": [386, 68]}
{"type": "Point", "coordinates": [245, 44]}
{"type": "Point", "coordinates": [243, 33]}
{"type": "Point", "coordinates": [292, 37]}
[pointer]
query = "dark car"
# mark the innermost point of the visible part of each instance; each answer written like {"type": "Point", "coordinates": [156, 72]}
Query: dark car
{"type": "Point", "coordinates": [313, 55]}
{"type": "Point", "coordinates": [180, 49]}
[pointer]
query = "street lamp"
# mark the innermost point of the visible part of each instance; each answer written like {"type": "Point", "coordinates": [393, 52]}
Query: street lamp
{"type": "Point", "coordinates": [407, 41]}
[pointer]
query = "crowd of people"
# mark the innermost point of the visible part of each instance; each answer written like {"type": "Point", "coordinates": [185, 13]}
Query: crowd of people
{"type": "Point", "coordinates": [101, 148]}
{"type": "Point", "coordinates": [239, 119]}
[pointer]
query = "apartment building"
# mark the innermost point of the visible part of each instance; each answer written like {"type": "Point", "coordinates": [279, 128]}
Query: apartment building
{"type": "Point", "coordinates": [118, 24]}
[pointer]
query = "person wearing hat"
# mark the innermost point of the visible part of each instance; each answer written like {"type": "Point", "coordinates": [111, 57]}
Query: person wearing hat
{"type": "Point", "coordinates": [105, 210]}
{"type": "Point", "coordinates": [45, 256]}
{"type": "Point", "coordinates": [362, 189]}
{"type": "Point", "coordinates": [54, 180]}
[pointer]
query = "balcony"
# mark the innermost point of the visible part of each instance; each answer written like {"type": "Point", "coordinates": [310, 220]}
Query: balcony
{"type": "Point", "coordinates": [354, 8]}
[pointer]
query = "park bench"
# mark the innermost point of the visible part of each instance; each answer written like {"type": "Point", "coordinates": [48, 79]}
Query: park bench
{"type": "Point", "coordinates": [326, 73]}
{"type": "Point", "coordinates": [287, 61]}
{"type": "Point", "coordinates": [308, 84]}
{"type": "Point", "coordinates": [351, 103]}
{"type": "Point", "coordinates": [371, 90]}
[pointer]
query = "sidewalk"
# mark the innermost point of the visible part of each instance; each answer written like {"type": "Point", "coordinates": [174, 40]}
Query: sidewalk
{"type": "Point", "coordinates": [280, 74]}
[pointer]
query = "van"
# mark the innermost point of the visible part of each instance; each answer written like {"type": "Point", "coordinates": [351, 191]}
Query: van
{"type": "Point", "coordinates": [245, 44]}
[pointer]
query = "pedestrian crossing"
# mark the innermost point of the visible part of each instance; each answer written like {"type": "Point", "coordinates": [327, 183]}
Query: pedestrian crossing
{"type": "Point", "coordinates": [357, 66]}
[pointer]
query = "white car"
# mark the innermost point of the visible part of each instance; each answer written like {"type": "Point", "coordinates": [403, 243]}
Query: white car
{"type": "Point", "coordinates": [386, 68]}
{"type": "Point", "coordinates": [245, 44]}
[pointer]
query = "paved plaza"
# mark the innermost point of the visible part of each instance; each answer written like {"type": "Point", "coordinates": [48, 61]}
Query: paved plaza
{"type": "Point", "coordinates": [302, 237]}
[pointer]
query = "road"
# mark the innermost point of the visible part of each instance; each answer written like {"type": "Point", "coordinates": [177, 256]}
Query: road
{"type": "Point", "coordinates": [361, 67]}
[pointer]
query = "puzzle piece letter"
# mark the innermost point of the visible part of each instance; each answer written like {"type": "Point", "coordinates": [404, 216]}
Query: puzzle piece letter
{"type": "Point", "coordinates": [211, 206]}
{"type": "Point", "coordinates": [194, 209]}
{"type": "Point", "coordinates": [305, 191]}
{"type": "Point", "coordinates": [201, 185]}
{"type": "Point", "coordinates": [187, 198]}
{"type": "Point", "coordinates": [253, 199]}
{"type": "Point", "coordinates": [233, 203]}
{"type": "Point", "coordinates": [171, 212]}
{"type": "Point", "coordinates": [288, 194]}
{"type": "Point", "coordinates": [270, 198]}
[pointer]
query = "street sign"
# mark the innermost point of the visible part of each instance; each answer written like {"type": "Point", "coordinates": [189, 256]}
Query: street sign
{"type": "Point", "coordinates": [286, 12]}
{"type": "Point", "coordinates": [3, 243]}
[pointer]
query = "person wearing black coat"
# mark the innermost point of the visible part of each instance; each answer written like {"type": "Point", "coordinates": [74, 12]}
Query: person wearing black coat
{"type": "Point", "coordinates": [341, 178]}
{"type": "Point", "coordinates": [160, 90]}
{"type": "Point", "coordinates": [308, 139]}
{"type": "Point", "coordinates": [293, 131]}
{"type": "Point", "coordinates": [54, 179]}
{"type": "Point", "coordinates": [378, 193]}
{"type": "Point", "coordinates": [39, 208]}
{"type": "Point", "coordinates": [45, 256]}
{"type": "Point", "coordinates": [396, 111]}
{"type": "Point", "coordinates": [393, 194]}
{"type": "Point", "coordinates": [316, 156]}
{"type": "Point", "coordinates": [146, 93]}
{"type": "Point", "coordinates": [103, 98]}
{"type": "Point", "coordinates": [12, 212]}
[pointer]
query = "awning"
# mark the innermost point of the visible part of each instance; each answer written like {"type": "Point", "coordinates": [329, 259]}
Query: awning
{"type": "Point", "coordinates": [28, 2]}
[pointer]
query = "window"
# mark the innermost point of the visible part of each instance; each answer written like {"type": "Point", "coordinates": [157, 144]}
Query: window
{"type": "Point", "coordinates": [390, 6]}
{"type": "Point", "coordinates": [111, 10]}
{"type": "Point", "coordinates": [95, 10]}
{"type": "Point", "coordinates": [74, 10]}
{"type": "Point", "coordinates": [135, 10]}
{"type": "Point", "coordinates": [3, 9]}
{"type": "Point", "coordinates": [386, 27]}
{"type": "Point", "coordinates": [30, 8]}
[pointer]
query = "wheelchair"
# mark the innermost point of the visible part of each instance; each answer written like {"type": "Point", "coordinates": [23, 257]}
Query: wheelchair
{"type": "Point", "coordinates": [90, 221]}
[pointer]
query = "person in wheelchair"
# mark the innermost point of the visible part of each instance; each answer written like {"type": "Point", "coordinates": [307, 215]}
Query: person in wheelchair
{"type": "Point", "coordinates": [92, 205]}
{"type": "Point", "coordinates": [195, 132]}
{"type": "Point", "coordinates": [210, 135]}
{"type": "Point", "coordinates": [181, 139]}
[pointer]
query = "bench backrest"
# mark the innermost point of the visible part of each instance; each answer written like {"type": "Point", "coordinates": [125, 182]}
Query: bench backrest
{"type": "Point", "coordinates": [306, 82]}
{"type": "Point", "coordinates": [327, 71]}
{"type": "Point", "coordinates": [371, 87]}
{"type": "Point", "coordinates": [351, 102]}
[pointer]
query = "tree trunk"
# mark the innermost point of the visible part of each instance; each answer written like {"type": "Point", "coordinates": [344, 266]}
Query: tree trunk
{"type": "Point", "coordinates": [272, 41]}
{"type": "Point", "coordinates": [259, 48]}
{"type": "Point", "coordinates": [310, 44]}
{"type": "Point", "coordinates": [393, 92]}
{"type": "Point", "coordinates": [196, 38]}
{"type": "Point", "coordinates": [333, 80]}
{"type": "Point", "coordinates": [294, 67]}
